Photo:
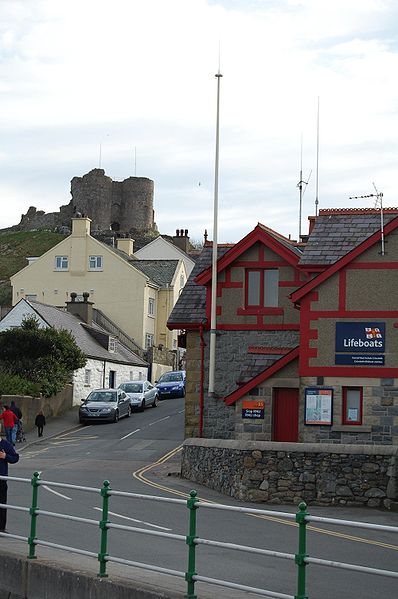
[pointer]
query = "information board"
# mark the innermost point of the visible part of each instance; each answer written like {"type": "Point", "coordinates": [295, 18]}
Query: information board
{"type": "Point", "coordinates": [318, 406]}
{"type": "Point", "coordinates": [253, 409]}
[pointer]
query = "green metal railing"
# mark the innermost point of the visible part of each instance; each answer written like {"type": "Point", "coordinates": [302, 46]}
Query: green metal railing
{"type": "Point", "coordinates": [192, 540]}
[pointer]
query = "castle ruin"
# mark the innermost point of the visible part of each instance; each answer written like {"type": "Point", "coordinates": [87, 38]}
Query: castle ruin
{"type": "Point", "coordinates": [122, 206]}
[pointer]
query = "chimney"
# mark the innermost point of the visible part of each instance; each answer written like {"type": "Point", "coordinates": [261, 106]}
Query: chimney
{"type": "Point", "coordinates": [80, 226]}
{"type": "Point", "coordinates": [83, 309]}
{"type": "Point", "coordinates": [125, 245]}
{"type": "Point", "coordinates": [181, 240]}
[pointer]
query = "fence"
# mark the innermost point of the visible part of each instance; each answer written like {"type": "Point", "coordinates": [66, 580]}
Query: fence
{"type": "Point", "coordinates": [301, 559]}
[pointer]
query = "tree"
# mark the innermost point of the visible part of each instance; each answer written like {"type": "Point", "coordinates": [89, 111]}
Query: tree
{"type": "Point", "coordinates": [46, 357]}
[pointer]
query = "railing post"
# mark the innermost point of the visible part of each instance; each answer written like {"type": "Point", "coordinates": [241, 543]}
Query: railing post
{"type": "Point", "coordinates": [190, 541]}
{"type": "Point", "coordinates": [103, 524]}
{"type": "Point", "coordinates": [302, 551]}
{"type": "Point", "coordinates": [35, 482]}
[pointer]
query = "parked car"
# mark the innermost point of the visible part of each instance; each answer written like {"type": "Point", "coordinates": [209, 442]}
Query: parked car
{"type": "Point", "coordinates": [141, 393]}
{"type": "Point", "coordinates": [171, 384]}
{"type": "Point", "coordinates": [104, 404]}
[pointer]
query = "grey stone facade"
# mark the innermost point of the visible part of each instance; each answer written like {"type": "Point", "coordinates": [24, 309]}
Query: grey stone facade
{"type": "Point", "coordinates": [124, 206]}
{"type": "Point", "coordinates": [279, 473]}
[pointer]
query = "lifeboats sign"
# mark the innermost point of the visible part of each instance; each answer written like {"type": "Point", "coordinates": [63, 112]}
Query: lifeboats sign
{"type": "Point", "coordinates": [360, 343]}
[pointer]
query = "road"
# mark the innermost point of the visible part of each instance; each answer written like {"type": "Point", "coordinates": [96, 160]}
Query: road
{"type": "Point", "coordinates": [124, 453]}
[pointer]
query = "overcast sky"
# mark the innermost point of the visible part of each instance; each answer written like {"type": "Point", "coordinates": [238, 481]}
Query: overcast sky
{"type": "Point", "coordinates": [137, 78]}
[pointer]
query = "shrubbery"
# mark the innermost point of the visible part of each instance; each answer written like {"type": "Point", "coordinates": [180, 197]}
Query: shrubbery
{"type": "Point", "coordinates": [44, 358]}
{"type": "Point", "coordinates": [12, 384]}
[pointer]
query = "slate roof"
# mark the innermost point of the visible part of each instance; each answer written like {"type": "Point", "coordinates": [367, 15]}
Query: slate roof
{"type": "Point", "coordinates": [338, 231]}
{"type": "Point", "coordinates": [190, 308]}
{"type": "Point", "coordinates": [60, 319]}
{"type": "Point", "coordinates": [253, 364]}
{"type": "Point", "coordinates": [160, 272]}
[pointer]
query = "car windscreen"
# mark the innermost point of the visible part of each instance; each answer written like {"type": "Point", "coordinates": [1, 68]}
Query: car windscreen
{"type": "Point", "coordinates": [170, 377]}
{"type": "Point", "coordinates": [102, 396]}
{"type": "Point", "coordinates": [132, 387]}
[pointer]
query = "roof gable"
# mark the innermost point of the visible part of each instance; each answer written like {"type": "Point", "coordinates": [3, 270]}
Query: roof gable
{"type": "Point", "coordinates": [296, 296]}
{"type": "Point", "coordinates": [282, 246]}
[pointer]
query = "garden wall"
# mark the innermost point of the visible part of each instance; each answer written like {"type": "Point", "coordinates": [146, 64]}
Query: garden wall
{"type": "Point", "coordinates": [279, 473]}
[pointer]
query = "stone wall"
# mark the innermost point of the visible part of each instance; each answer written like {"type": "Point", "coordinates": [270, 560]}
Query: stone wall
{"type": "Point", "coordinates": [30, 406]}
{"type": "Point", "coordinates": [280, 473]}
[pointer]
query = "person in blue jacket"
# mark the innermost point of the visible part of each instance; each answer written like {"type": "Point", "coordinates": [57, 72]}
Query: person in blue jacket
{"type": "Point", "coordinates": [8, 455]}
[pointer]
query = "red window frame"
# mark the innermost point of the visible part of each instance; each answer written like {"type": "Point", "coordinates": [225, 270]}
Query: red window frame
{"type": "Point", "coordinates": [344, 406]}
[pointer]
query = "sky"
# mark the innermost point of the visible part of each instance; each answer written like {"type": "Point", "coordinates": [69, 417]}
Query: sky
{"type": "Point", "coordinates": [129, 85]}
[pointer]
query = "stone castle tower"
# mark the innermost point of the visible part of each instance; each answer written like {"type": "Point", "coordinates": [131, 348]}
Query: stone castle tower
{"type": "Point", "coordinates": [123, 206]}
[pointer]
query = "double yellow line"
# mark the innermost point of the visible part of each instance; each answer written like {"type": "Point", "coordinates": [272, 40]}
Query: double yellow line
{"type": "Point", "coordinates": [139, 475]}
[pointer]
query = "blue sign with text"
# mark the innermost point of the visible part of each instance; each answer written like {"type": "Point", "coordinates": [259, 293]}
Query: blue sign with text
{"type": "Point", "coordinates": [360, 337]}
{"type": "Point", "coordinates": [359, 359]}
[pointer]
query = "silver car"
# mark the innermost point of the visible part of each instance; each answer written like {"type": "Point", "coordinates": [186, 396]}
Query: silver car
{"type": "Point", "coordinates": [141, 393]}
{"type": "Point", "coordinates": [104, 404]}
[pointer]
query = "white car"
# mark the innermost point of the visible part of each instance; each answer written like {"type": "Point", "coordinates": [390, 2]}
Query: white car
{"type": "Point", "coordinates": [141, 393]}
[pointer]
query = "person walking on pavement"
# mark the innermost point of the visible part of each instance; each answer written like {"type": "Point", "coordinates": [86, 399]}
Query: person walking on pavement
{"type": "Point", "coordinates": [9, 420]}
{"type": "Point", "coordinates": [8, 455]}
{"type": "Point", "coordinates": [14, 408]}
{"type": "Point", "coordinates": [40, 422]}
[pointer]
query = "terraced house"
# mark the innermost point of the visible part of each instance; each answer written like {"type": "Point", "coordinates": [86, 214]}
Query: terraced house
{"type": "Point", "coordinates": [307, 334]}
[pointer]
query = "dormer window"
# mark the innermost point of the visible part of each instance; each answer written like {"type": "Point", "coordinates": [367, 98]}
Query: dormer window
{"type": "Point", "coordinates": [112, 343]}
{"type": "Point", "coordinates": [61, 263]}
{"type": "Point", "coordinates": [95, 263]}
{"type": "Point", "coordinates": [262, 288]}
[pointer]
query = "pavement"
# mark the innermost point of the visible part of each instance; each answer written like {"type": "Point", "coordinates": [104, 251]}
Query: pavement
{"type": "Point", "coordinates": [68, 421]}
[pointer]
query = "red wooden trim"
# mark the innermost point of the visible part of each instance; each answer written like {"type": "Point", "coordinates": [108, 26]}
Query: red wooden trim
{"type": "Point", "coordinates": [231, 285]}
{"type": "Point", "coordinates": [312, 334]}
{"type": "Point", "coordinates": [315, 315]}
{"type": "Point", "coordinates": [344, 419]}
{"type": "Point", "coordinates": [257, 264]}
{"type": "Point", "coordinates": [218, 310]}
{"type": "Point", "coordinates": [326, 211]}
{"type": "Point", "coordinates": [255, 327]}
{"type": "Point", "coordinates": [261, 252]}
{"type": "Point", "coordinates": [373, 265]}
{"type": "Point", "coordinates": [258, 234]}
{"type": "Point", "coordinates": [342, 289]}
{"type": "Point", "coordinates": [188, 326]}
{"type": "Point", "coordinates": [351, 371]}
{"type": "Point", "coordinates": [260, 378]}
{"type": "Point", "coordinates": [354, 253]}
{"type": "Point", "coordinates": [208, 303]}
{"type": "Point", "coordinates": [255, 311]}
{"type": "Point", "coordinates": [278, 351]}
{"type": "Point", "coordinates": [227, 275]}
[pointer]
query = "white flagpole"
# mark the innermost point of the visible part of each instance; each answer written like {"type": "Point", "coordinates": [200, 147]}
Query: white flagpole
{"type": "Point", "coordinates": [213, 317]}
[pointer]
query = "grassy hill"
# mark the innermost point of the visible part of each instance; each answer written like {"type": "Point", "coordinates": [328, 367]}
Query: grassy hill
{"type": "Point", "coordinates": [15, 246]}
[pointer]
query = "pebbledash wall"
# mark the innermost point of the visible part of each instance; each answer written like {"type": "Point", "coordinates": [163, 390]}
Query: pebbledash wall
{"type": "Point", "coordinates": [280, 473]}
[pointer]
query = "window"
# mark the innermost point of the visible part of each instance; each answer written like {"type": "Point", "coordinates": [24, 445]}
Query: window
{"type": "Point", "coordinates": [61, 263]}
{"type": "Point", "coordinates": [95, 262]}
{"type": "Point", "coordinates": [87, 377]}
{"type": "Point", "coordinates": [151, 306]}
{"type": "Point", "coordinates": [148, 340]}
{"type": "Point", "coordinates": [352, 405]}
{"type": "Point", "coordinates": [112, 344]}
{"type": "Point", "coordinates": [262, 287]}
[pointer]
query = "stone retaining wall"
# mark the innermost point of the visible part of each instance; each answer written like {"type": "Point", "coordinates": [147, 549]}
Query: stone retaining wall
{"type": "Point", "coordinates": [278, 473]}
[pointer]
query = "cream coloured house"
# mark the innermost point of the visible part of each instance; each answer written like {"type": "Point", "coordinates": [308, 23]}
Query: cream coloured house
{"type": "Point", "coordinates": [160, 248]}
{"type": "Point", "coordinates": [137, 295]}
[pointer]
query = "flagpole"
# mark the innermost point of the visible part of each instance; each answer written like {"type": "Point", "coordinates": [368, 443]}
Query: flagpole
{"type": "Point", "coordinates": [213, 316]}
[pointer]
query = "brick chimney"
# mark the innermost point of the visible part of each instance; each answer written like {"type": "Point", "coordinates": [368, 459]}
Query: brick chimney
{"type": "Point", "coordinates": [181, 240]}
{"type": "Point", "coordinates": [81, 309]}
{"type": "Point", "coordinates": [125, 245]}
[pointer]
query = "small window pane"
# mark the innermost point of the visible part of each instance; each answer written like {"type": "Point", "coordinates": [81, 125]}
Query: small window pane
{"type": "Point", "coordinates": [271, 288]}
{"type": "Point", "coordinates": [61, 262]}
{"type": "Point", "coordinates": [353, 405]}
{"type": "Point", "coordinates": [253, 288]}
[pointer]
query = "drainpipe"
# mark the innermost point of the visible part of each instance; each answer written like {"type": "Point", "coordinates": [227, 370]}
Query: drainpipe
{"type": "Point", "coordinates": [202, 378]}
{"type": "Point", "coordinates": [103, 375]}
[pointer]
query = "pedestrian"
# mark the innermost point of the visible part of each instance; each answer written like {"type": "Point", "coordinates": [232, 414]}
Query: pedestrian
{"type": "Point", "coordinates": [8, 455]}
{"type": "Point", "coordinates": [40, 422]}
{"type": "Point", "coordinates": [9, 420]}
{"type": "Point", "coordinates": [14, 408]}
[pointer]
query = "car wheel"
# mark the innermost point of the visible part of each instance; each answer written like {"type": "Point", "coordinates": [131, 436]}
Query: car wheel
{"type": "Point", "coordinates": [183, 393]}
{"type": "Point", "coordinates": [116, 416]}
{"type": "Point", "coordinates": [142, 408]}
{"type": "Point", "coordinates": [155, 402]}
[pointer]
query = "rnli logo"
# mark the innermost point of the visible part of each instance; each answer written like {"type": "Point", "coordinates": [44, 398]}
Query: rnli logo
{"type": "Point", "coordinates": [373, 333]}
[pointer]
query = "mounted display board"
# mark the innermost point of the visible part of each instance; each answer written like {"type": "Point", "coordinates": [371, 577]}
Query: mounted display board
{"type": "Point", "coordinates": [253, 409]}
{"type": "Point", "coordinates": [360, 343]}
{"type": "Point", "coordinates": [318, 406]}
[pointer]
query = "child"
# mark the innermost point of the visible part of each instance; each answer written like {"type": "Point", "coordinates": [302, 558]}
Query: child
{"type": "Point", "coordinates": [40, 422]}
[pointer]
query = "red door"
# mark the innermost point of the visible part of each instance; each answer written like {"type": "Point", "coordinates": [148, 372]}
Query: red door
{"type": "Point", "coordinates": [286, 409]}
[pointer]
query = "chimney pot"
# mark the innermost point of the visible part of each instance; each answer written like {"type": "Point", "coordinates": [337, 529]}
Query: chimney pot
{"type": "Point", "coordinates": [73, 296]}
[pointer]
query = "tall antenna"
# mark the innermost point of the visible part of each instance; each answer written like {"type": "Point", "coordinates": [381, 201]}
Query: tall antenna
{"type": "Point", "coordinates": [317, 163]}
{"type": "Point", "coordinates": [300, 186]}
{"type": "Point", "coordinates": [378, 204]}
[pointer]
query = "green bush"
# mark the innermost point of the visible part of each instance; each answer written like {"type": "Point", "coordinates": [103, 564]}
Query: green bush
{"type": "Point", "coordinates": [13, 384]}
